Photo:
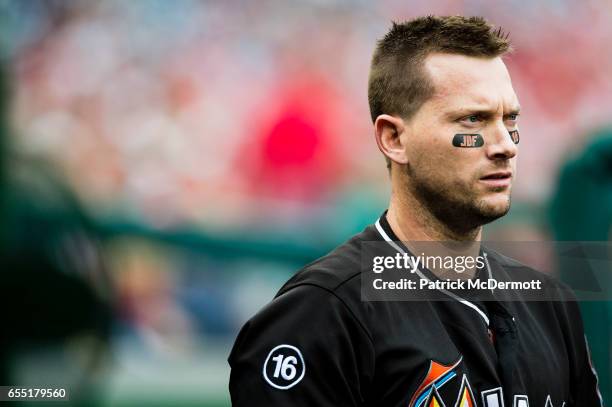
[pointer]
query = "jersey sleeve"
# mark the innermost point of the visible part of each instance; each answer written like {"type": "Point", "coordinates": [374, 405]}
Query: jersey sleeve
{"type": "Point", "coordinates": [585, 387]}
{"type": "Point", "coordinates": [305, 348]}
{"type": "Point", "coordinates": [588, 393]}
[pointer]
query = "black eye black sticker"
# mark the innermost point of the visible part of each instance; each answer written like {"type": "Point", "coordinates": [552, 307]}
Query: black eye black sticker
{"type": "Point", "coordinates": [515, 136]}
{"type": "Point", "coordinates": [468, 140]}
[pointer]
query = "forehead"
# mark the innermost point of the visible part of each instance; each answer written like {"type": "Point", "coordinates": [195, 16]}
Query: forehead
{"type": "Point", "coordinates": [461, 81]}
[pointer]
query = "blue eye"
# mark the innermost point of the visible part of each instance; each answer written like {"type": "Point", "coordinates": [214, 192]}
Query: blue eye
{"type": "Point", "coordinates": [473, 118]}
{"type": "Point", "coordinates": [513, 116]}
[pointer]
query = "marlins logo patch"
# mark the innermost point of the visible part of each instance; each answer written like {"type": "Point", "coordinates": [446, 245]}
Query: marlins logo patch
{"type": "Point", "coordinates": [466, 397]}
{"type": "Point", "coordinates": [437, 376]}
{"type": "Point", "coordinates": [434, 399]}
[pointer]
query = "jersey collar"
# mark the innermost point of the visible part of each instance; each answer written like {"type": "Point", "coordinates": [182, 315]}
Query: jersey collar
{"type": "Point", "coordinates": [384, 230]}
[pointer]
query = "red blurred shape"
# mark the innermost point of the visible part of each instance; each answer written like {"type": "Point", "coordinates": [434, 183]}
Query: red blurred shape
{"type": "Point", "coordinates": [294, 152]}
{"type": "Point", "coordinates": [292, 141]}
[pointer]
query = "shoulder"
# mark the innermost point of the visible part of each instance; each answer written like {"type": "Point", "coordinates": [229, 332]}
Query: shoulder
{"type": "Point", "coordinates": [324, 293]}
{"type": "Point", "coordinates": [337, 271]}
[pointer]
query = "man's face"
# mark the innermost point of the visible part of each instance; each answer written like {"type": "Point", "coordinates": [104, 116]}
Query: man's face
{"type": "Point", "coordinates": [463, 187]}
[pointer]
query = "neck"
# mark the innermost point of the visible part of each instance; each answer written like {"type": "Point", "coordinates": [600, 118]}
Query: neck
{"type": "Point", "coordinates": [410, 221]}
{"type": "Point", "coordinates": [413, 224]}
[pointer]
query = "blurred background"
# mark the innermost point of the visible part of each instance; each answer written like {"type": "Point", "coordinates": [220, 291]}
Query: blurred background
{"type": "Point", "coordinates": [167, 165]}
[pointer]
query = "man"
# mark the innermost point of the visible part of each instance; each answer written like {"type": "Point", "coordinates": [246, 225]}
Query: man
{"type": "Point", "coordinates": [445, 117]}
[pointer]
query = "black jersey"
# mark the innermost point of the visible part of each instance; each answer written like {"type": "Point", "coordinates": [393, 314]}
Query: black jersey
{"type": "Point", "coordinates": [319, 344]}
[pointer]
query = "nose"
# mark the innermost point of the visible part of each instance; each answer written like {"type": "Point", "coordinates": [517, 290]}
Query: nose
{"type": "Point", "coordinates": [499, 144]}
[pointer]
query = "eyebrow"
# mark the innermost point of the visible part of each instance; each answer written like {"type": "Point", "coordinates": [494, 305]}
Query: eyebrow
{"type": "Point", "coordinates": [481, 111]}
{"type": "Point", "coordinates": [484, 110]}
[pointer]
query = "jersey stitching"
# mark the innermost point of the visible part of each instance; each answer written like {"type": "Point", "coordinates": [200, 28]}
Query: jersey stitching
{"type": "Point", "coordinates": [346, 280]}
{"type": "Point", "coordinates": [343, 303]}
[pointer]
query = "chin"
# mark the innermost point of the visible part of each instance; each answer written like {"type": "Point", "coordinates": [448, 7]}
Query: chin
{"type": "Point", "coordinates": [495, 208]}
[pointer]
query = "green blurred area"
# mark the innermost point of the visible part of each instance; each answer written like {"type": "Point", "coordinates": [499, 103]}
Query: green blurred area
{"type": "Point", "coordinates": [581, 209]}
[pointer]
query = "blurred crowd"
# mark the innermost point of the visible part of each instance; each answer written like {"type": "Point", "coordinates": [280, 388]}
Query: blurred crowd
{"type": "Point", "coordinates": [221, 112]}
{"type": "Point", "coordinates": [216, 142]}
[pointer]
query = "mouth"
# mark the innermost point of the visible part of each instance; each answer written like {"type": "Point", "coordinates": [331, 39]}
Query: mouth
{"type": "Point", "coordinates": [499, 179]}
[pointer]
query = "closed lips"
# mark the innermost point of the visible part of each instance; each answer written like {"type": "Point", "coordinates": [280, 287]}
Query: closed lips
{"type": "Point", "coordinates": [498, 175]}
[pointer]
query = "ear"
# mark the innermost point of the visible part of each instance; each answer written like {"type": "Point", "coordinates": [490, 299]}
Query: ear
{"type": "Point", "coordinates": [388, 130]}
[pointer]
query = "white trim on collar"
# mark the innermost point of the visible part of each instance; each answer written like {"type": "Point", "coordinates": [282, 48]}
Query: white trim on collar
{"type": "Point", "coordinates": [448, 293]}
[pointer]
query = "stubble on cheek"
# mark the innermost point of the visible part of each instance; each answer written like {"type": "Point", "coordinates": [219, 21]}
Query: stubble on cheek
{"type": "Point", "coordinates": [454, 200]}
{"type": "Point", "coordinates": [437, 190]}
{"type": "Point", "coordinates": [437, 174]}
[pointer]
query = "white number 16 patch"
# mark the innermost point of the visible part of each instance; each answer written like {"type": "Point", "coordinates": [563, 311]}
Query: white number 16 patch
{"type": "Point", "coordinates": [284, 367]}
